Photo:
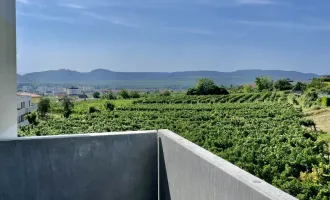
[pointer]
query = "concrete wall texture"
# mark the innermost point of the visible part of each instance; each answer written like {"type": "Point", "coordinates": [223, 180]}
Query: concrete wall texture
{"type": "Point", "coordinates": [106, 167]}
{"type": "Point", "coordinates": [8, 114]}
{"type": "Point", "coordinates": [188, 171]}
{"type": "Point", "coordinates": [122, 166]}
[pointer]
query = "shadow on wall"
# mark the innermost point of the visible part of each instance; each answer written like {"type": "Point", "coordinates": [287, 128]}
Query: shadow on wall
{"type": "Point", "coordinates": [164, 190]}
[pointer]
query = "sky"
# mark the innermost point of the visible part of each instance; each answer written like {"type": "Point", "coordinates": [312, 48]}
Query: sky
{"type": "Point", "coordinates": [173, 35]}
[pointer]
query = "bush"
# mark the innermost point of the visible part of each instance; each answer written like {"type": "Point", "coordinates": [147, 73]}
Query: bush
{"type": "Point", "coordinates": [32, 118]}
{"type": "Point", "coordinates": [67, 107]}
{"type": "Point", "coordinates": [43, 107]}
{"type": "Point", "coordinates": [93, 110]}
{"type": "Point", "coordinates": [325, 101]}
{"type": "Point", "coordinates": [124, 94]}
{"type": "Point", "coordinates": [96, 95]}
{"type": "Point", "coordinates": [134, 94]}
{"type": "Point", "coordinates": [109, 95]}
{"type": "Point", "coordinates": [207, 87]}
{"type": "Point", "coordinates": [166, 93]}
{"type": "Point", "coordinates": [283, 84]}
{"type": "Point", "coordinates": [109, 106]}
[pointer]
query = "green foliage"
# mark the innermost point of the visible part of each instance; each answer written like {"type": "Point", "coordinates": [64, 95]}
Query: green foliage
{"type": "Point", "coordinates": [124, 94]}
{"type": "Point", "coordinates": [317, 83]}
{"type": "Point", "coordinates": [263, 83]}
{"type": "Point", "coordinates": [300, 86]}
{"type": "Point", "coordinates": [325, 101]}
{"type": "Point", "coordinates": [326, 89]}
{"type": "Point", "coordinates": [96, 95]}
{"type": "Point", "coordinates": [283, 84]}
{"type": "Point", "coordinates": [32, 118]}
{"type": "Point", "coordinates": [43, 107]}
{"type": "Point", "coordinates": [310, 97]}
{"type": "Point", "coordinates": [109, 106]}
{"type": "Point", "coordinates": [267, 139]}
{"type": "Point", "coordinates": [207, 87]}
{"type": "Point", "coordinates": [93, 110]}
{"type": "Point", "coordinates": [133, 94]}
{"type": "Point", "coordinates": [109, 96]}
{"type": "Point", "coordinates": [166, 93]}
{"type": "Point", "coordinates": [67, 107]}
{"type": "Point", "coordinates": [247, 88]}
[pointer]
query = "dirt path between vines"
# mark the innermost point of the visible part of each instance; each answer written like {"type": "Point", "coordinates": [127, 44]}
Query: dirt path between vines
{"type": "Point", "coordinates": [321, 118]}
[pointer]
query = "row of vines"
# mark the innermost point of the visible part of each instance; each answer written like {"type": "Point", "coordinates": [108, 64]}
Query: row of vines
{"type": "Point", "coordinates": [265, 138]}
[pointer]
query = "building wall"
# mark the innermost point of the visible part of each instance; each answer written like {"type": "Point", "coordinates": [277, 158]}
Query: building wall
{"type": "Point", "coordinates": [73, 91]}
{"type": "Point", "coordinates": [24, 106]}
{"type": "Point", "coordinates": [127, 165]}
{"type": "Point", "coordinates": [187, 171]}
{"type": "Point", "coordinates": [116, 166]}
{"type": "Point", "coordinates": [8, 114]}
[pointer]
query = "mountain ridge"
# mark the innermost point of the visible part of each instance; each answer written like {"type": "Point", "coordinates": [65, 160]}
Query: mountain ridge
{"type": "Point", "coordinates": [181, 79]}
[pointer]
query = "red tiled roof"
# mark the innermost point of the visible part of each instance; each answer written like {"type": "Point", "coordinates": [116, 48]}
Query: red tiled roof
{"type": "Point", "coordinates": [28, 94]}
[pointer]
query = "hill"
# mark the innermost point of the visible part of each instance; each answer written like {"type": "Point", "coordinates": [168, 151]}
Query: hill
{"type": "Point", "coordinates": [156, 79]}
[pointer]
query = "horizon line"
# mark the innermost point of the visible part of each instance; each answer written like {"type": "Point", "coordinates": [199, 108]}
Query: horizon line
{"type": "Point", "coordinates": [63, 69]}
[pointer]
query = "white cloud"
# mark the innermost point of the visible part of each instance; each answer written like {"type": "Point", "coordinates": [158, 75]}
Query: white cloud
{"type": "Point", "coordinates": [72, 5]}
{"type": "Point", "coordinates": [46, 17]}
{"type": "Point", "coordinates": [112, 20]}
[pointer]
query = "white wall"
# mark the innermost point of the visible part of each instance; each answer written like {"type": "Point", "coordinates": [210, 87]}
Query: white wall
{"type": "Point", "coordinates": [8, 106]}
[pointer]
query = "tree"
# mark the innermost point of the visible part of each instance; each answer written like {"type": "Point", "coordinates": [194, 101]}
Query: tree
{"type": "Point", "coordinates": [207, 87]}
{"type": "Point", "coordinates": [109, 95]}
{"type": "Point", "coordinates": [124, 94]}
{"type": "Point", "coordinates": [300, 86]}
{"type": "Point", "coordinates": [96, 95]}
{"type": "Point", "coordinates": [263, 83]}
{"type": "Point", "coordinates": [134, 94]}
{"type": "Point", "coordinates": [317, 84]}
{"type": "Point", "coordinates": [283, 84]}
{"type": "Point", "coordinates": [32, 118]}
{"type": "Point", "coordinates": [68, 107]}
{"type": "Point", "coordinates": [247, 88]}
{"type": "Point", "coordinates": [109, 106]}
{"type": "Point", "coordinates": [192, 91]}
{"type": "Point", "coordinates": [166, 93]}
{"type": "Point", "coordinates": [43, 107]}
{"type": "Point", "coordinates": [204, 85]}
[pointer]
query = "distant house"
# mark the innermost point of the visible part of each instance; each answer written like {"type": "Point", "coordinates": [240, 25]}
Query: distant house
{"type": "Point", "coordinates": [82, 96]}
{"type": "Point", "coordinates": [253, 85]}
{"type": "Point", "coordinates": [49, 93]}
{"type": "Point", "coordinates": [35, 98]}
{"type": "Point", "coordinates": [73, 91]}
{"type": "Point", "coordinates": [59, 97]}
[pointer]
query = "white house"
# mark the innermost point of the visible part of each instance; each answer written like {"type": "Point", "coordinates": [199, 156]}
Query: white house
{"type": "Point", "coordinates": [73, 91]}
{"type": "Point", "coordinates": [24, 107]}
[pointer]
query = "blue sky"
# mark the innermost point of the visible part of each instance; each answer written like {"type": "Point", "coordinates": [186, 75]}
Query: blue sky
{"type": "Point", "coordinates": [173, 35]}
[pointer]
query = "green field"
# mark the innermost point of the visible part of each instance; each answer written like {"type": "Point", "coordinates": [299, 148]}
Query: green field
{"type": "Point", "coordinates": [259, 132]}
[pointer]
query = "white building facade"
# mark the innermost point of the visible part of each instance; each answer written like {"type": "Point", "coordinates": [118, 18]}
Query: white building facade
{"type": "Point", "coordinates": [8, 99]}
{"type": "Point", "coordinates": [24, 107]}
{"type": "Point", "coordinates": [73, 91]}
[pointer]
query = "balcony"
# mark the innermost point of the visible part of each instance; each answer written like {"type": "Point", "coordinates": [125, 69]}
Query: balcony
{"type": "Point", "coordinates": [23, 123]}
{"type": "Point", "coordinates": [32, 108]}
{"type": "Point", "coordinates": [147, 165]}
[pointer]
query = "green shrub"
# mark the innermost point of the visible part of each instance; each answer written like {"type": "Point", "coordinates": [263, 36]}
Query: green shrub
{"type": "Point", "coordinates": [92, 109]}
{"type": "Point", "coordinates": [109, 106]}
{"type": "Point", "coordinates": [325, 101]}
{"type": "Point", "coordinates": [32, 118]}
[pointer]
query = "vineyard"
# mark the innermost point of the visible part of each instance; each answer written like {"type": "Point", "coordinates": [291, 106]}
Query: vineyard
{"type": "Point", "coordinates": [277, 96]}
{"type": "Point", "coordinates": [266, 138]}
